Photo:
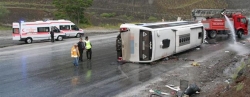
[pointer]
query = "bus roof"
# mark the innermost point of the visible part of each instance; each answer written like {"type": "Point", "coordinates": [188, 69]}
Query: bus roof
{"type": "Point", "coordinates": [169, 24]}
{"type": "Point", "coordinates": [163, 24]}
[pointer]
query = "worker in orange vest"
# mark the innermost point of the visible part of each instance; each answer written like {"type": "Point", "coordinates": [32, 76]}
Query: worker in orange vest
{"type": "Point", "coordinates": [75, 54]}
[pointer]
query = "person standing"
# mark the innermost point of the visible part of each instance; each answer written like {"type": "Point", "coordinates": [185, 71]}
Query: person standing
{"type": "Point", "coordinates": [52, 34]}
{"type": "Point", "coordinates": [88, 47]}
{"type": "Point", "coordinates": [75, 54]}
{"type": "Point", "coordinates": [81, 47]}
{"type": "Point", "coordinates": [119, 46]}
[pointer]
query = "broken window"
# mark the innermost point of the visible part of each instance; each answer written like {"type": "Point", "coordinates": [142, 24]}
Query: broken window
{"type": "Point", "coordinates": [166, 43]}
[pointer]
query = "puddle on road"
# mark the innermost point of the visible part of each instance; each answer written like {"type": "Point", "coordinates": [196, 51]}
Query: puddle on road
{"type": "Point", "coordinates": [239, 48]}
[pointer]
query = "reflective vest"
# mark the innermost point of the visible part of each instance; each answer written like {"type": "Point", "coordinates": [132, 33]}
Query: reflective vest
{"type": "Point", "coordinates": [74, 52]}
{"type": "Point", "coordinates": [88, 45]}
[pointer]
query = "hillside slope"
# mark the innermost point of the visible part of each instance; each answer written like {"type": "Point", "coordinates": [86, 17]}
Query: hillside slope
{"type": "Point", "coordinates": [142, 10]}
{"type": "Point", "coordinates": [238, 4]}
{"type": "Point", "coordinates": [123, 10]}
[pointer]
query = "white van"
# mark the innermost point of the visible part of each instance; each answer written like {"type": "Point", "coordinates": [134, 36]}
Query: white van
{"type": "Point", "coordinates": [39, 30]}
{"type": "Point", "coordinates": [67, 27]}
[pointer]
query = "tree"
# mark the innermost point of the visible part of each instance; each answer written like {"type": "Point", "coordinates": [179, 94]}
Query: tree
{"type": "Point", "coordinates": [73, 9]}
{"type": "Point", "coordinates": [3, 11]}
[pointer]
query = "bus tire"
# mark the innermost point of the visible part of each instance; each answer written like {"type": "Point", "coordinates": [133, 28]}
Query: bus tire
{"type": "Point", "coordinates": [28, 40]}
{"type": "Point", "coordinates": [212, 34]}
{"type": "Point", "coordinates": [239, 33]}
{"type": "Point", "coordinates": [78, 35]}
{"type": "Point", "coordinates": [60, 38]}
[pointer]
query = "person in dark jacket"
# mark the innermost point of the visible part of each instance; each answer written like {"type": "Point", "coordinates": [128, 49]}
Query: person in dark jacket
{"type": "Point", "coordinates": [81, 47]}
{"type": "Point", "coordinates": [119, 46]}
{"type": "Point", "coordinates": [52, 34]}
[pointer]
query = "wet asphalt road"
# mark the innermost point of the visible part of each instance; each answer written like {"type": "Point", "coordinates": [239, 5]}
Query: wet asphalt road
{"type": "Point", "coordinates": [45, 69]}
{"type": "Point", "coordinates": [6, 40]}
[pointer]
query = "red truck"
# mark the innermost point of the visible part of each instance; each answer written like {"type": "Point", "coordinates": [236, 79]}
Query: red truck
{"type": "Point", "coordinates": [215, 23]}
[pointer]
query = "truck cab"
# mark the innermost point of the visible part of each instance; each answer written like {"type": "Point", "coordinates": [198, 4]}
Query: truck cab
{"type": "Point", "coordinates": [240, 24]}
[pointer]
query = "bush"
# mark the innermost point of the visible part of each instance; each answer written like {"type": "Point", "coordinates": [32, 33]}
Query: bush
{"type": "Point", "coordinates": [92, 13]}
{"type": "Point", "coordinates": [3, 11]}
{"type": "Point", "coordinates": [60, 15]}
{"type": "Point", "coordinates": [151, 18]}
{"type": "Point", "coordinates": [108, 15]}
{"type": "Point", "coordinates": [239, 86]}
{"type": "Point", "coordinates": [5, 28]}
{"type": "Point", "coordinates": [127, 17]}
{"type": "Point", "coordinates": [84, 25]}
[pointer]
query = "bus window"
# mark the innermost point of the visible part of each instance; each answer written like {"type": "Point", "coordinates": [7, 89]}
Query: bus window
{"type": "Point", "coordinates": [15, 30]}
{"type": "Point", "coordinates": [74, 27]}
{"type": "Point", "coordinates": [64, 27]}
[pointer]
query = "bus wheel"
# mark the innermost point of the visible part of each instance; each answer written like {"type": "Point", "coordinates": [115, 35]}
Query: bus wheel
{"type": "Point", "coordinates": [28, 40]}
{"type": "Point", "coordinates": [60, 38]}
{"type": "Point", "coordinates": [212, 34]}
{"type": "Point", "coordinates": [239, 33]}
{"type": "Point", "coordinates": [78, 35]}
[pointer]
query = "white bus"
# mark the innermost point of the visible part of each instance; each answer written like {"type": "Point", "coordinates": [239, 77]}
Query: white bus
{"type": "Point", "coordinates": [39, 30]}
{"type": "Point", "coordinates": [147, 42]}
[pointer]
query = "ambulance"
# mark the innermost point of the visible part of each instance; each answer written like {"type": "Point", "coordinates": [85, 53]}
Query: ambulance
{"type": "Point", "coordinates": [67, 27]}
{"type": "Point", "coordinates": [39, 30]}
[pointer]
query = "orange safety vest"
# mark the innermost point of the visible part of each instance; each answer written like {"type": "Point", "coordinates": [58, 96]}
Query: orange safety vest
{"type": "Point", "coordinates": [74, 52]}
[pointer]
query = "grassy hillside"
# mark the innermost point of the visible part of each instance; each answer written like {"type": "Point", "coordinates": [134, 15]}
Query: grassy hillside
{"type": "Point", "coordinates": [114, 11]}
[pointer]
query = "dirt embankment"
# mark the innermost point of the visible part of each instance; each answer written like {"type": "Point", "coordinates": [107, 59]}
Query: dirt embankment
{"type": "Point", "coordinates": [239, 83]}
{"type": "Point", "coordinates": [18, 14]}
{"type": "Point", "coordinates": [214, 74]}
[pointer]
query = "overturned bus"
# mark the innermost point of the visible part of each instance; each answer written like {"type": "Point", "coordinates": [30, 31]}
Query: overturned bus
{"type": "Point", "coordinates": [148, 42]}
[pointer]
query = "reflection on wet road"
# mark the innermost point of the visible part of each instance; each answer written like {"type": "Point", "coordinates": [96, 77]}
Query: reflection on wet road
{"type": "Point", "coordinates": [46, 70]}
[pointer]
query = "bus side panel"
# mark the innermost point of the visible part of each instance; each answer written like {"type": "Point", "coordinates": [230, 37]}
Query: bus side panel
{"type": "Point", "coordinates": [183, 39]}
{"type": "Point", "coordinates": [164, 41]}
